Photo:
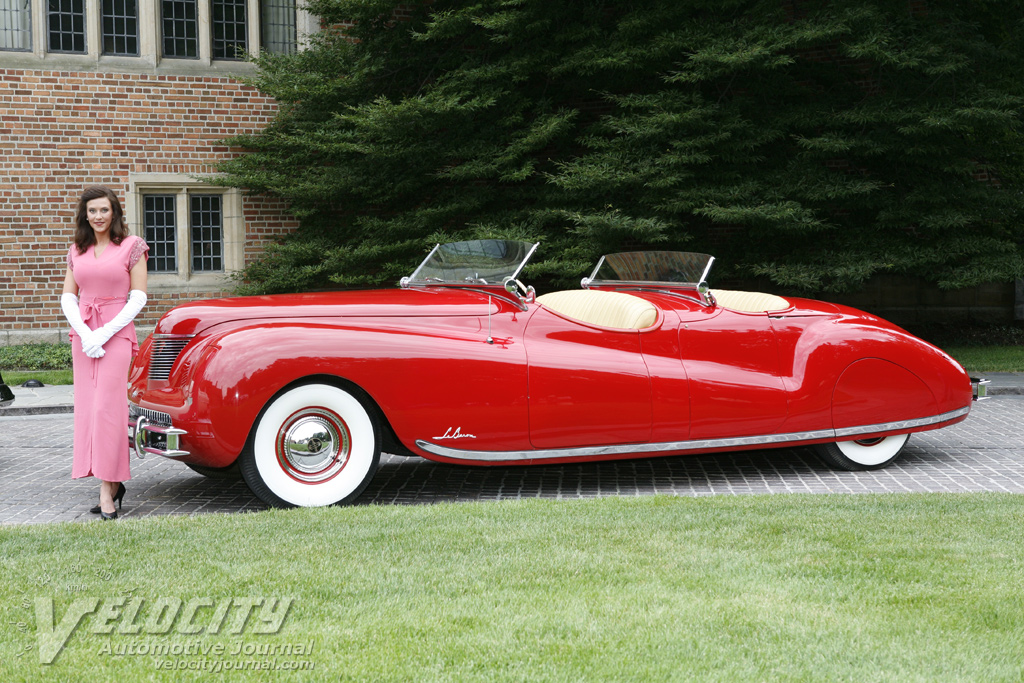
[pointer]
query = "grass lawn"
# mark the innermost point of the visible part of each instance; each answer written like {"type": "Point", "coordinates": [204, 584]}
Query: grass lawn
{"type": "Point", "coordinates": [902, 588]}
{"type": "Point", "coordinates": [15, 378]}
{"type": "Point", "coordinates": [989, 358]}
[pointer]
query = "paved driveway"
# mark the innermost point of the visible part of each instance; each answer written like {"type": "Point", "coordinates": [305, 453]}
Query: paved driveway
{"type": "Point", "coordinates": [984, 453]}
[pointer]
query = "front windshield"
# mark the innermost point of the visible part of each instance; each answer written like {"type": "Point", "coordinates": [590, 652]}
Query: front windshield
{"type": "Point", "coordinates": [484, 262]}
{"type": "Point", "coordinates": [646, 267]}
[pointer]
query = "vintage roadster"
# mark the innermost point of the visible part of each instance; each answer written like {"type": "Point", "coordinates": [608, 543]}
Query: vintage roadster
{"type": "Point", "coordinates": [464, 364]}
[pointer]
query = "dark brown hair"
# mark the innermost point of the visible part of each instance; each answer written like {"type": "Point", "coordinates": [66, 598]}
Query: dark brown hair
{"type": "Point", "coordinates": [84, 236]}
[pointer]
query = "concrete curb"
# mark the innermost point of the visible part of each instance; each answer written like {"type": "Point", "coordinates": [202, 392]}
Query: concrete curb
{"type": "Point", "coordinates": [35, 410]}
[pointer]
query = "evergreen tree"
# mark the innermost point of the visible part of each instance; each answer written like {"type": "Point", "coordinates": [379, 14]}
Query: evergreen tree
{"type": "Point", "coordinates": [811, 142]}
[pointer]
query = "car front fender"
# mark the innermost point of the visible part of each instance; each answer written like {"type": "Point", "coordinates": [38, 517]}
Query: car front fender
{"type": "Point", "coordinates": [874, 391]}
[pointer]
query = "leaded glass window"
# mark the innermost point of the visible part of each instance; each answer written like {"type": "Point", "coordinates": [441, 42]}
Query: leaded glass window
{"type": "Point", "coordinates": [159, 220]}
{"type": "Point", "coordinates": [66, 25]}
{"type": "Point", "coordinates": [180, 24]}
{"type": "Point", "coordinates": [229, 28]}
{"type": "Point", "coordinates": [207, 227]}
{"type": "Point", "coordinates": [120, 27]}
{"type": "Point", "coordinates": [15, 25]}
{"type": "Point", "coordinates": [278, 26]}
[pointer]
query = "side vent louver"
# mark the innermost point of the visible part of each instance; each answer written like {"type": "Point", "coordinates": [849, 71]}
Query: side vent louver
{"type": "Point", "coordinates": [166, 349]}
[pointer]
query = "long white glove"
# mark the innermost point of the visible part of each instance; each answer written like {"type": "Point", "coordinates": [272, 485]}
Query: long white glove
{"type": "Point", "coordinates": [136, 300]}
{"type": "Point", "coordinates": [69, 304]}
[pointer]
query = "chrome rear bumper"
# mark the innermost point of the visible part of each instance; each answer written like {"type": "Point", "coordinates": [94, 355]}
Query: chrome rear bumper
{"type": "Point", "coordinates": [980, 388]}
{"type": "Point", "coordinates": [148, 437]}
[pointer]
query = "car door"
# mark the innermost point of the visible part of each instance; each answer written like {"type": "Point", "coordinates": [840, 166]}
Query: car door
{"type": "Point", "coordinates": [588, 385]}
{"type": "Point", "coordinates": [732, 363]}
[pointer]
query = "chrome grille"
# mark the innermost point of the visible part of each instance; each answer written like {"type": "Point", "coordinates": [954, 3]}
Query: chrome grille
{"type": "Point", "coordinates": [154, 416]}
{"type": "Point", "coordinates": [166, 349]}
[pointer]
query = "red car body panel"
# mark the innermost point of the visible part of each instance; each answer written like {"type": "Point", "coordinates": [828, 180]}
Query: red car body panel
{"type": "Point", "coordinates": [588, 385]}
{"type": "Point", "coordinates": [436, 339]}
{"type": "Point", "coordinates": [455, 366]}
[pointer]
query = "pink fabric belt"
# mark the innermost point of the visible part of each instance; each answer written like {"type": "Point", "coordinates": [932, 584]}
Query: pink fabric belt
{"type": "Point", "coordinates": [91, 306]}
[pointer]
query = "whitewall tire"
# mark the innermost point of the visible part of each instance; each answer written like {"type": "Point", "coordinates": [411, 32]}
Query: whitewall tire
{"type": "Point", "coordinates": [865, 454]}
{"type": "Point", "coordinates": [313, 445]}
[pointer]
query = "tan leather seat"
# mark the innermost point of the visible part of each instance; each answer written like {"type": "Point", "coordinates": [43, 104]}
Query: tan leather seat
{"type": "Point", "coordinates": [749, 302]}
{"type": "Point", "coordinates": [608, 309]}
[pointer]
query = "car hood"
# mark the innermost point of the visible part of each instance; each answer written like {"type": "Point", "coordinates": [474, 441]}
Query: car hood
{"type": "Point", "coordinates": [191, 318]}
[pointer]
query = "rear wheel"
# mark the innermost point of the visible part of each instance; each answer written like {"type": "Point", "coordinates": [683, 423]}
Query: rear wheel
{"type": "Point", "coordinates": [313, 445]}
{"type": "Point", "coordinates": [865, 454]}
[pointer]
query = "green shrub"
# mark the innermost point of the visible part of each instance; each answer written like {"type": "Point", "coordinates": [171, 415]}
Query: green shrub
{"type": "Point", "coordinates": [814, 144]}
{"type": "Point", "coordinates": [35, 357]}
{"type": "Point", "coordinates": [970, 335]}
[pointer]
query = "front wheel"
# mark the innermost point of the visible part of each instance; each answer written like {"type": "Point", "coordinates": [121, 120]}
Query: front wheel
{"type": "Point", "coordinates": [866, 454]}
{"type": "Point", "coordinates": [313, 445]}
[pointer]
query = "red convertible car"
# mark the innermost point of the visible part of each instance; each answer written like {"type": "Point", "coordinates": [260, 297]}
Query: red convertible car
{"type": "Point", "coordinates": [464, 364]}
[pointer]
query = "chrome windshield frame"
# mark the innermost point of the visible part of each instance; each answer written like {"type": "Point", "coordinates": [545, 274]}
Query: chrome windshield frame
{"type": "Point", "coordinates": [416, 279]}
{"type": "Point", "coordinates": [412, 278]}
{"type": "Point", "coordinates": [699, 287]}
{"type": "Point", "coordinates": [594, 280]}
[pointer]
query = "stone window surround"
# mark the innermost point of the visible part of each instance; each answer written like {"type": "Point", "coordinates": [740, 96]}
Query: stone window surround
{"type": "Point", "coordinates": [180, 185]}
{"type": "Point", "coordinates": [149, 58]}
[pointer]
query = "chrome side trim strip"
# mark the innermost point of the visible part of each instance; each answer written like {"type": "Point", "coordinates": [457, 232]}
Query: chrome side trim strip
{"type": "Point", "coordinates": [674, 446]}
{"type": "Point", "coordinates": [905, 424]}
{"type": "Point", "coordinates": [624, 449]}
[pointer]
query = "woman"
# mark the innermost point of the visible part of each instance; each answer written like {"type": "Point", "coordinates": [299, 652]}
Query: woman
{"type": "Point", "coordinates": [104, 289]}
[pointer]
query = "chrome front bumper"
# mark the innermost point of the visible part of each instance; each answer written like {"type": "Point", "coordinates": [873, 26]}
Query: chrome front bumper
{"type": "Point", "coordinates": [147, 436]}
{"type": "Point", "coordinates": [980, 388]}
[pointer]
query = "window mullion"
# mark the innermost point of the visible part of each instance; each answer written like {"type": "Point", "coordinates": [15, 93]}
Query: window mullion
{"type": "Point", "coordinates": [252, 11]}
{"type": "Point", "coordinates": [205, 33]}
{"type": "Point", "coordinates": [93, 41]}
{"type": "Point", "coordinates": [184, 216]}
{"type": "Point", "coordinates": [305, 25]}
{"type": "Point", "coordinates": [39, 28]}
{"type": "Point", "coordinates": [149, 30]}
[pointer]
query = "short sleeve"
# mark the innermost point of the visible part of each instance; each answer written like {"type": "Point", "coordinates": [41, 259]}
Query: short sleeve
{"type": "Point", "coordinates": [139, 250]}
{"type": "Point", "coordinates": [71, 261]}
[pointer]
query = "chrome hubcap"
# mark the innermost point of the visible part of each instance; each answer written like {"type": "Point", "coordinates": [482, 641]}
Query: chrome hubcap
{"type": "Point", "coordinates": [313, 446]}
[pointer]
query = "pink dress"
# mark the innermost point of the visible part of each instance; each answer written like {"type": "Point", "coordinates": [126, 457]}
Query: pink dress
{"type": "Point", "coordinates": [101, 384]}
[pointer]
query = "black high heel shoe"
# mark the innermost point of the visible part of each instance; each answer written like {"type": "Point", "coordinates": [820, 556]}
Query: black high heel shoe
{"type": "Point", "coordinates": [105, 517]}
{"type": "Point", "coordinates": [118, 498]}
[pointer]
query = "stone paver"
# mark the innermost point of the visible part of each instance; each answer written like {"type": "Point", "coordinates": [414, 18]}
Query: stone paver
{"type": "Point", "coordinates": [984, 453]}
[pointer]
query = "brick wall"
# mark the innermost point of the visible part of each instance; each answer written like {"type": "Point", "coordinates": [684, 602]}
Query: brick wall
{"type": "Point", "coordinates": [63, 130]}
